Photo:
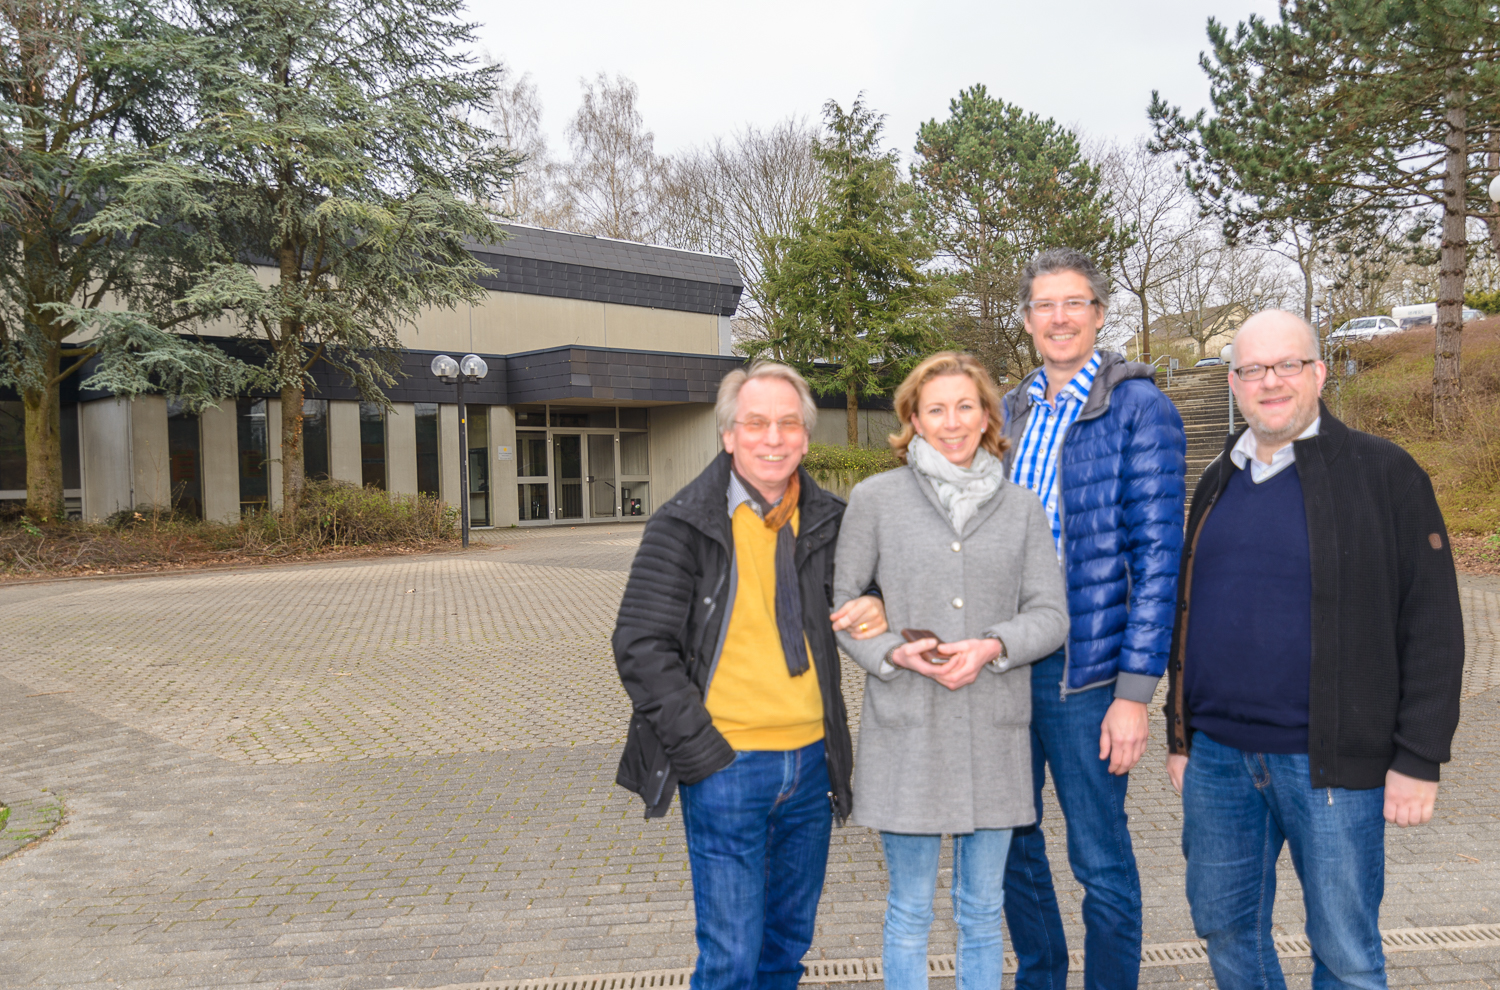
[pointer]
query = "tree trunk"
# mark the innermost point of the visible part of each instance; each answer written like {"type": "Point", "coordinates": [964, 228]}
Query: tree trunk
{"type": "Point", "coordinates": [291, 448]}
{"type": "Point", "coordinates": [1452, 264]}
{"type": "Point", "coordinates": [851, 401]}
{"type": "Point", "coordinates": [1145, 354]}
{"type": "Point", "coordinates": [44, 475]}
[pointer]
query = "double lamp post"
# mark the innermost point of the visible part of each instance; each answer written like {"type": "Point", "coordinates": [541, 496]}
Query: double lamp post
{"type": "Point", "coordinates": [471, 368]}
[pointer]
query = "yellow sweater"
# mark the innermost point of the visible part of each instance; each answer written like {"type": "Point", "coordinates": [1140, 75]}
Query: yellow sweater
{"type": "Point", "coordinates": [754, 701]}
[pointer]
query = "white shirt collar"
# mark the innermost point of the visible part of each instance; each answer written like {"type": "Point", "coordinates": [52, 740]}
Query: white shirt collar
{"type": "Point", "coordinates": [1244, 453]}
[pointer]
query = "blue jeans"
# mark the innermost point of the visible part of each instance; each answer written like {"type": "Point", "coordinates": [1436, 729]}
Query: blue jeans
{"type": "Point", "coordinates": [1065, 734]}
{"type": "Point", "coordinates": [978, 893]}
{"type": "Point", "coordinates": [1237, 810]}
{"type": "Point", "coordinates": [757, 836]}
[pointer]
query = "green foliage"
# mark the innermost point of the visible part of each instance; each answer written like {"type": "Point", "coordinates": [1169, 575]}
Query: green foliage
{"type": "Point", "coordinates": [825, 458]}
{"type": "Point", "coordinates": [997, 185]}
{"type": "Point", "coordinates": [88, 88]}
{"type": "Point", "coordinates": [1485, 302]}
{"type": "Point", "coordinates": [854, 310]}
{"type": "Point", "coordinates": [335, 140]}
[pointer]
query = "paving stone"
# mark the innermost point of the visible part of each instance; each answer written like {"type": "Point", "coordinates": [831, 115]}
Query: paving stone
{"type": "Point", "coordinates": [400, 772]}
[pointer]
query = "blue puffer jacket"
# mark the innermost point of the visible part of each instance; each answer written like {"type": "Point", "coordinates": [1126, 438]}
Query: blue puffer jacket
{"type": "Point", "coordinates": [1123, 476]}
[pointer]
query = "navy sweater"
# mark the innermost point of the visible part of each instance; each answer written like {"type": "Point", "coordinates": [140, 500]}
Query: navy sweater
{"type": "Point", "coordinates": [1249, 645]}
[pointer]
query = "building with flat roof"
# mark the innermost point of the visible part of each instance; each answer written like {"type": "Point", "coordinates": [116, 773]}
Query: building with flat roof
{"type": "Point", "coordinates": [604, 355]}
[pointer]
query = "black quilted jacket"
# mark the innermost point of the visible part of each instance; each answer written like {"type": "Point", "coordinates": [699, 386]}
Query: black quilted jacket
{"type": "Point", "coordinates": [667, 636]}
{"type": "Point", "coordinates": [1388, 635]}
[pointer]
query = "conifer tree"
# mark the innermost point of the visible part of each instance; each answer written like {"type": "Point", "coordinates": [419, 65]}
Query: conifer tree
{"type": "Point", "coordinates": [854, 309]}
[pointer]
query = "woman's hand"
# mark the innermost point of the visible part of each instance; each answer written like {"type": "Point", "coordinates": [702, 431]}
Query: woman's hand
{"type": "Point", "coordinates": [968, 657]}
{"type": "Point", "coordinates": [865, 615]}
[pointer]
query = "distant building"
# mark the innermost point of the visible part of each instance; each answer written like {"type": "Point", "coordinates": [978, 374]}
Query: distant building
{"type": "Point", "coordinates": [1217, 323]}
{"type": "Point", "coordinates": [604, 355]}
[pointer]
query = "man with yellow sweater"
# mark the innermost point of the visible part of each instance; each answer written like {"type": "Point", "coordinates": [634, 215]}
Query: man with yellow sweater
{"type": "Point", "coordinates": [725, 645]}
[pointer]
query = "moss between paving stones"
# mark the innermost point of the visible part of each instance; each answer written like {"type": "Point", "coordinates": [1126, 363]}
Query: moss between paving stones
{"type": "Point", "coordinates": [26, 817]}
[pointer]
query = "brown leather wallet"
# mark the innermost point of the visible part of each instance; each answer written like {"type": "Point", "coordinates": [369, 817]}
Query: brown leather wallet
{"type": "Point", "coordinates": [932, 655]}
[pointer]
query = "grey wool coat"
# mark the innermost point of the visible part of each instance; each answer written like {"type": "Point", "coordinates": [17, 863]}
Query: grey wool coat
{"type": "Point", "coordinates": [931, 760]}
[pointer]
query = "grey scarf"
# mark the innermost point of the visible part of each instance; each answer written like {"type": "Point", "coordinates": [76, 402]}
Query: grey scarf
{"type": "Point", "coordinates": [962, 490]}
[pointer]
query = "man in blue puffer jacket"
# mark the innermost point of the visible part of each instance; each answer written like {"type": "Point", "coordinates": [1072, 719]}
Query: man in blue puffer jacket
{"type": "Point", "coordinates": [1104, 449]}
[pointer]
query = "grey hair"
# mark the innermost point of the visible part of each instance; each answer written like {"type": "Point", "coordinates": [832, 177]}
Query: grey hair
{"type": "Point", "coordinates": [1282, 315]}
{"type": "Point", "coordinates": [1056, 260]}
{"type": "Point", "coordinates": [727, 406]}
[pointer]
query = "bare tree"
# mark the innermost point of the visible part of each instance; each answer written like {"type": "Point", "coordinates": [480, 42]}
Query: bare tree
{"type": "Point", "coordinates": [1219, 285]}
{"type": "Point", "coordinates": [613, 182]}
{"type": "Point", "coordinates": [743, 197]}
{"type": "Point", "coordinates": [516, 116]}
{"type": "Point", "coordinates": [1152, 202]}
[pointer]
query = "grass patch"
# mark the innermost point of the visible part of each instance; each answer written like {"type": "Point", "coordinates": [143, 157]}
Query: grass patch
{"type": "Point", "coordinates": [335, 519]}
{"type": "Point", "coordinates": [1391, 396]}
{"type": "Point", "coordinates": [838, 469]}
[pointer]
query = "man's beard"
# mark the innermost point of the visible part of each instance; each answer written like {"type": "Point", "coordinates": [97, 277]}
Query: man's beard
{"type": "Point", "coordinates": [1291, 431]}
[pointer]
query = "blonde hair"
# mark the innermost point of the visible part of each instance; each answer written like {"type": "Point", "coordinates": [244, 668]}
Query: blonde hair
{"type": "Point", "coordinates": [727, 406]}
{"type": "Point", "coordinates": [909, 393]}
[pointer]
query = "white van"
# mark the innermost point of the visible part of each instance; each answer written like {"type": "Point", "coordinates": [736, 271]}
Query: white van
{"type": "Point", "coordinates": [1425, 314]}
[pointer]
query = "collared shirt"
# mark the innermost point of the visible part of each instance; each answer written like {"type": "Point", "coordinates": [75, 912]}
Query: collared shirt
{"type": "Point", "coordinates": [1041, 443]}
{"type": "Point", "coordinates": [1244, 450]}
{"type": "Point", "coordinates": [739, 493]}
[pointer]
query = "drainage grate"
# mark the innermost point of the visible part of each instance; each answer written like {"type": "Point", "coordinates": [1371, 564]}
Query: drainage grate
{"type": "Point", "coordinates": [868, 970]}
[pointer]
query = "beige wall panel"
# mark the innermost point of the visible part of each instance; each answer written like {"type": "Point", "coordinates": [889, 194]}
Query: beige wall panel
{"type": "Point", "coordinates": [637, 328]}
{"type": "Point", "coordinates": [273, 451]}
{"type": "Point", "coordinates": [104, 438]}
{"type": "Point", "coordinates": [343, 442]}
{"type": "Point", "coordinates": [508, 323]}
{"type": "Point", "coordinates": [220, 444]}
{"type": "Point", "coordinates": [503, 505]}
{"type": "Point", "coordinates": [401, 449]}
{"type": "Point", "coordinates": [153, 469]}
{"type": "Point", "coordinates": [682, 443]}
{"type": "Point", "coordinates": [874, 426]}
{"type": "Point", "coordinates": [448, 454]}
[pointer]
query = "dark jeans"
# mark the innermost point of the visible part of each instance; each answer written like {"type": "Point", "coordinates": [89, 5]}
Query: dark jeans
{"type": "Point", "coordinates": [757, 835]}
{"type": "Point", "coordinates": [1238, 809]}
{"type": "Point", "coordinates": [1065, 735]}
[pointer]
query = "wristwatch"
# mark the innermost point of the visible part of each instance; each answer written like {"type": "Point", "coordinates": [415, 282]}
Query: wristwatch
{"type": "Point", "coordinates": [999, 662]}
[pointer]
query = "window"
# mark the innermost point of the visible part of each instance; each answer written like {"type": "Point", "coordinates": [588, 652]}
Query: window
{"type": "Point", "coordinates": [427, 448]}
{"type": "Point", "coordinates": [315, 439]}
{"type": "Point", "coordinates": [590, 417]}
{"type": "Point", "coordinates": [183, 449]}
{"type": "Point", "coordinates": [371, 445]}
{"type": "Point", "coordinates": [250, 424]}
{"type": "Point", "coordinates": [12, 447]}
{"type": "Point", "coordinates": [478, 435]}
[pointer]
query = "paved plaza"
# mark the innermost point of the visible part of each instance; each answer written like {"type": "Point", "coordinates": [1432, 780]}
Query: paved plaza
{"type": "Point", "coordinates": [399, 773]}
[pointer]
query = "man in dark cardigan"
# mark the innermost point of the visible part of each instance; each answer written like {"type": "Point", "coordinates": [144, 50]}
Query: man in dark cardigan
{"type": "Point", "coordinates": [1316, 665]}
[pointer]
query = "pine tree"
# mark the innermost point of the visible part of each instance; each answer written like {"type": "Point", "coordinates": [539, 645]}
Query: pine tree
{"type": "Point", "coordinates": [1337, 113]}
{"type": "Point", "coordinates": [997, 185]}
{"type": "Point", "coordinates": [854, 309]}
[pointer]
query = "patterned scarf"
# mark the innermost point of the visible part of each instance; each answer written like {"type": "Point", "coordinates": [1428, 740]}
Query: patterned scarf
{"type": "Point", "coordinates": [788, 589]}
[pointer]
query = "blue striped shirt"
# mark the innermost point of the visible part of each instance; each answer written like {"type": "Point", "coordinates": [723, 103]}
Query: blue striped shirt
{"type": "Point", "coordinates": [1036, 459]}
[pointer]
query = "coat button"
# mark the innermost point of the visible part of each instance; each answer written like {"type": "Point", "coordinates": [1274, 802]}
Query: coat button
{"type": "Point", "coordinates": [957, 546]}
{"type": "Point", "coordinates": [958, 603]}
{"type": "Point", "coordinates": [708, 601]}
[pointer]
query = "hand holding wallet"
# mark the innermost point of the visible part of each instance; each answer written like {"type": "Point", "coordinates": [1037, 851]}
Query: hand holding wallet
{"type": "Point", "coordinates": [932, 655]}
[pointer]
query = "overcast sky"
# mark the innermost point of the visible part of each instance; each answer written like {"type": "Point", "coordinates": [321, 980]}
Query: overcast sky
{"type": "Point", "coordinates": [706, 69]}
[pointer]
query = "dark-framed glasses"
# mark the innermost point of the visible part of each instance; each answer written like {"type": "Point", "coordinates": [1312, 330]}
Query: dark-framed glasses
{"type": "Point", "coordinates": [758, 426]}
{"type": "Point", "coordinates": [1071, 307]}
{"type": "Point", "coordinates": [1289, 368]}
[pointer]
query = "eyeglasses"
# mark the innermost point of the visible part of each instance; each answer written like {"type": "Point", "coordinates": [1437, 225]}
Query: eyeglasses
{"type": "Point", "coordinates": [757, 426]}
{"type": "Point", "coordinates": [1072, 307]}
{"type": "Point", "coordinates": [1284, 369]}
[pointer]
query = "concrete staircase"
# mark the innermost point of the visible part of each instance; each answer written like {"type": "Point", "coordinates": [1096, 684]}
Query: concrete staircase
{"type": "Point", "coordinates": [1202, 398]}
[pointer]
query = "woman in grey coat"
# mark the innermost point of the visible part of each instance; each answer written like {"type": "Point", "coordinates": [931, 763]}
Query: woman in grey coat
{"type": "Point", "coordinates": [945, 744]}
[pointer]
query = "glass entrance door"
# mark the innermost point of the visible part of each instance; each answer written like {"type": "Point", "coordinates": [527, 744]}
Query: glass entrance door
{"type": "Point", "coordinates": [604, 493]}
{"type": "Point", "coordinates": [567, 475]}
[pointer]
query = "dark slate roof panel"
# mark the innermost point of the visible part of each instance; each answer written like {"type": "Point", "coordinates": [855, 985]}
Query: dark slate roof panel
{"type": "Point", "coordinates": [587, 251]}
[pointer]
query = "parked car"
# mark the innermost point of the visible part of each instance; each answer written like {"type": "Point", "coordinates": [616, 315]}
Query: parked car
{"type": "Point", "coordinates": [1425, 315]}
{"type": "Point", "coordinates": [1364, 328]}
{"type": "Point", "coordinates": [1208, 362]}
